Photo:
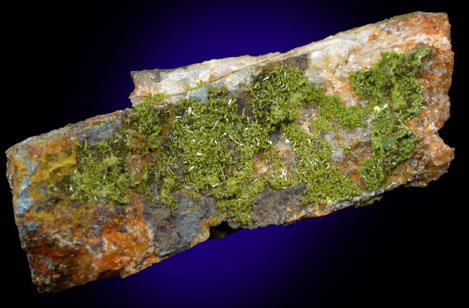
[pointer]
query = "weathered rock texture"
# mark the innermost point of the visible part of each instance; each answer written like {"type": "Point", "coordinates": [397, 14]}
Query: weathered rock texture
{"type": "Point", "coordinates": [69, 242]}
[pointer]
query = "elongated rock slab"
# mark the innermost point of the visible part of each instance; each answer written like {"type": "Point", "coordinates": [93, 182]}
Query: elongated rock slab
{"type": "Point", "coordinates": [235, 143]}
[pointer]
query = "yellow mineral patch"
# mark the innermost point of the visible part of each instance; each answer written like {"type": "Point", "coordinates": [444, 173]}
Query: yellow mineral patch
{"type": "Point", "coordinates": [58, 157]}
{"type": "Point", "coordinates": [41, 217]}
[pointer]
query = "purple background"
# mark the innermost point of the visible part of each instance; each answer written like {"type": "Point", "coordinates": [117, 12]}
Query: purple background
{"type": "Point", "coordinates": [76, 59]}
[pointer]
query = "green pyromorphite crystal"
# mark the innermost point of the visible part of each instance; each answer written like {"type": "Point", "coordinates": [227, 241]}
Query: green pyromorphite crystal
{"type": "Point", "coordinates": [394, 96]}
{"type": "Point", "coordinates": [211, 147]}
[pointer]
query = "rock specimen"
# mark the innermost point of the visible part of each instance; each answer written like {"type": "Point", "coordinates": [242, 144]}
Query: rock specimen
{"type": "Point", "coordinates": [235, 143]}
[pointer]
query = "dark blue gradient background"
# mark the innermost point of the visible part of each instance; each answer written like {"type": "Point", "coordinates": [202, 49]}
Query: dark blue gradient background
{"type": "Point", "coordinates": [77, 59]}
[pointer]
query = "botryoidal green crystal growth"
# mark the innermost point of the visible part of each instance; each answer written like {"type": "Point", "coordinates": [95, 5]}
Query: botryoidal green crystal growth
{"type": "Point", "coordinates": [211, 147]}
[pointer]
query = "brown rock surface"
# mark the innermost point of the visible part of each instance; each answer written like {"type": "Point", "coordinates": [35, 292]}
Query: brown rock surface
{"type": "Point", "coordinates": [70, 243]}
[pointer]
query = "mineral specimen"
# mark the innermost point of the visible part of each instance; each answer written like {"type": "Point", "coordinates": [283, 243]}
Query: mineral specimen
{"type": "Point", "coordinates": [241, 143]}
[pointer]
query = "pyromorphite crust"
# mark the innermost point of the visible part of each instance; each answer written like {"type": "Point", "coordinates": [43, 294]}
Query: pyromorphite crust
{"type": "Point", "coordinates": [211, 146]}
{"type": "Point", "coordinates": [395, 96]}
